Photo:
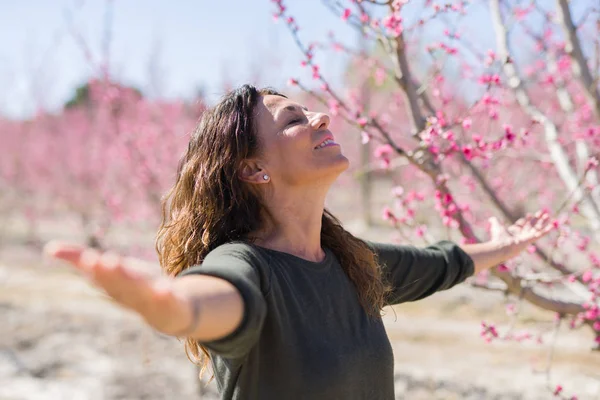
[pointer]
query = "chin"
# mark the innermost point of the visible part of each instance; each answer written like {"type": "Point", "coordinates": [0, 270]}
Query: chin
{"type": "Point", "coordinates": [340, 164]}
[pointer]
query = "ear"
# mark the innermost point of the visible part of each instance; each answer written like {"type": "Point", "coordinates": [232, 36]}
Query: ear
{"type": "Point", "coordinates": [252, 172]}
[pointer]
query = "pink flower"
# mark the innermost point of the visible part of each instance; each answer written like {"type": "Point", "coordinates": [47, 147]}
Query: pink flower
{"type": "Point", "coordinates": [488, 332]}
{"type": "Point", "coordinates": [388, 215]}
{"type": "Point", "coordinates": [316, 74]}
{"type": "Point", "coordinates": [558, 390]}
{"type": "Point", "coordinates": [362, 122]}
{"type": "Point", "coordinates": [592, 162]}
{"type": "Point", "coordinates": [448, 135]}
{"type": "Point", "coordinates": [346, 14]}
{"type": "Point", "coordinates": [383, 151]}
{"type": "Point", "coordinates": [521, 13]}
{"type": "Point", "coordinates": [468, 152]}
{"type": "Point", "coordinates": [509, 133]}
{"type": "Point", "coordinates": [398, 191]}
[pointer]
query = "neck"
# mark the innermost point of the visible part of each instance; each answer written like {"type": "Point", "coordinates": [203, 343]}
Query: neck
{"type": "Point", "coordinates": [295, 223]}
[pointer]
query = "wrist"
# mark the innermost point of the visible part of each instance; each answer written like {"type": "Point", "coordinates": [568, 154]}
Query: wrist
{"type": "Point", "coordinates": [193, 319]}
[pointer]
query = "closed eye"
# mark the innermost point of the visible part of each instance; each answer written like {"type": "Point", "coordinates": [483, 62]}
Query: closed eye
{"type": "Point", "coordinates": [294, 121]}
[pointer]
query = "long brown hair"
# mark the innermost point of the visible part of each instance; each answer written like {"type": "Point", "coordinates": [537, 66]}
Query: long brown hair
{"type": "Point", "coordinates": [209, 205]}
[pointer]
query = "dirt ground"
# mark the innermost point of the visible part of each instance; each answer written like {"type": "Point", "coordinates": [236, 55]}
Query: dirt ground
{"type": "Point", "coordinates": [62, 339]}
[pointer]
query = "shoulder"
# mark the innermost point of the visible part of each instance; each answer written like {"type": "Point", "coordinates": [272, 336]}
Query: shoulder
{"type": "Point", "coordinates": [235, 249]}
{"type": "Point", "coordinates": [239, 256]}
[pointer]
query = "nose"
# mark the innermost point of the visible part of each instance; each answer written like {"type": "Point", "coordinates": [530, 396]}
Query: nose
{"type": "Point", "coordinates": [319, 121]}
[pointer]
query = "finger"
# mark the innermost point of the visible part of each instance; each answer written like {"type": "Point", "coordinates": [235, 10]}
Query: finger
{"type": "Point", "coordinates": [543, 221]}
{"type": "Point", "coordinates": [539, 214]}
{"type": "Point", "coordinates": [520, 222]}
{"type": "Point", "coordinates": [532, 220]}
{"type": "Point", "coordinates": [64, 251]}
{"type": "Point", "coordinates": [88, 261]}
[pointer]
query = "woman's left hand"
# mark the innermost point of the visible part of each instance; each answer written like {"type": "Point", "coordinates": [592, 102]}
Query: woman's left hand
{"type": "Point", "coordinates": [522, 233]}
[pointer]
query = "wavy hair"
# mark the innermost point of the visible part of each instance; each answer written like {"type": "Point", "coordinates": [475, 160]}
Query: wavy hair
{"type": "Point", "coordinates": [209, 205]}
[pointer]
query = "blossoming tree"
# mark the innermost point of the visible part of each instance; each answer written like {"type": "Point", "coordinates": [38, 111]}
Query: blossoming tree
{"type": "Point", "coordinates": [482, 130]}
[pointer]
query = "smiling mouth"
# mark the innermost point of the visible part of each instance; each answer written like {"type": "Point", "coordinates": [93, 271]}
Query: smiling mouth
{"type": "Point", "coordinates": [326, 143]}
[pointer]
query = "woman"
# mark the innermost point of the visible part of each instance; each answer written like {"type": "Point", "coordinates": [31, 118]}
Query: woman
{"type": "Point", "coordinates": [266, 283]}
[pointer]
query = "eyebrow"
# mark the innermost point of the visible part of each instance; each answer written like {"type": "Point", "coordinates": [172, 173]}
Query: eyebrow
{"type": "Point", "coordinates": [292, 108]}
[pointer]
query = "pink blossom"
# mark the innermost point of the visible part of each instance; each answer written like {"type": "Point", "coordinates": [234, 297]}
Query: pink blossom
{"type": "Point", "coordinates": [398, 191]}
{"type": "Point", "coordinates": [467, 151]}
{"type": "Point", "coordinates": [558, 390]}
{"type": "Point", "coordinates": [315, 69]}
{"type": "Point", "coordinates": [346, 14]}
{"type": "Point", "coordinates": [388, 215]}
{"type": "Point", "coordinates": [592, 162]}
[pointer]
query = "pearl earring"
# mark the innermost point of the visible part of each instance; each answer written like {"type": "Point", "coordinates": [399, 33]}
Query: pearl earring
{"type": "Point", "coordinates": [266, 177]}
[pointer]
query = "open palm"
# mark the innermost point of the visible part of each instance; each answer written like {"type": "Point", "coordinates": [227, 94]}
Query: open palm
{"type": "Point", "coordinates": [518, 236]}
{"type": "Point", "coordinates": [127, 281]}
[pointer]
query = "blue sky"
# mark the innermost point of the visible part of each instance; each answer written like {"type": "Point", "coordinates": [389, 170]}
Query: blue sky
{"type": "Point", "coordinates": [194, 44]}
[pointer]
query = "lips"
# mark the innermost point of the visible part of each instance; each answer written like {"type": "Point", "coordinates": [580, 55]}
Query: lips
{"type": "Point", "coordinates": [330, 137]}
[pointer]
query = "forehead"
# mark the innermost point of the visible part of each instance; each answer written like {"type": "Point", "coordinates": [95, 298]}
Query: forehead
{"type": "Point", "coordinates": [274, 105]}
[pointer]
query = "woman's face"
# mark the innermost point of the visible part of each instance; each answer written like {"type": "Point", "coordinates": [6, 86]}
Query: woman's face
{"type": "Point", "coordinates": [298, 147]}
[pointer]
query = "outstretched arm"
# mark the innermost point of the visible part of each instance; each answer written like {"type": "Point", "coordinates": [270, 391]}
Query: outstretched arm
{"type": "Point", "coordinates": [506, 243]}
{"type": "Point", "coordinates": [416, 273]}
{"type": "Point", "coordinates": [202, 307]}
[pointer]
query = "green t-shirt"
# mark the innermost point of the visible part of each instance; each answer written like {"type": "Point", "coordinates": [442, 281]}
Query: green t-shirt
{"type": "Point", "coordinates": [304, 334]}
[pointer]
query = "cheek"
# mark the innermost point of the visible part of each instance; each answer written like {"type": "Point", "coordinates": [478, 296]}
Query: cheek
{"type": "Point", "coordinates": [289, 158]}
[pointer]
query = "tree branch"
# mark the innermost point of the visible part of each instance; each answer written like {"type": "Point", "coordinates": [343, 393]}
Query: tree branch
{"type": "Point", "coordinates": [574, 50]}
{"type": "Point", "coordinates": [558, 154]}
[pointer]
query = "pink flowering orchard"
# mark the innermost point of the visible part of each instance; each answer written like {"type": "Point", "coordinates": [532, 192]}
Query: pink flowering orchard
{"type": "Point", "coordinates": [481, 109]}
{"type": "Point", "coordinates": [107, 159]}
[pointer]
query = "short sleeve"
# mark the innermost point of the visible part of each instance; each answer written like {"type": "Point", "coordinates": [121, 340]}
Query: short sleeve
{"type": "Point", "coordinates": [415, 273]}
{"type": "Point", "coordinates": [237, 266]}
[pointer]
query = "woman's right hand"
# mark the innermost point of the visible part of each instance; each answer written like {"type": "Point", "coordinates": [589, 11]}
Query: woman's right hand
{"type": "Point", "coordinates": [164, 309]}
